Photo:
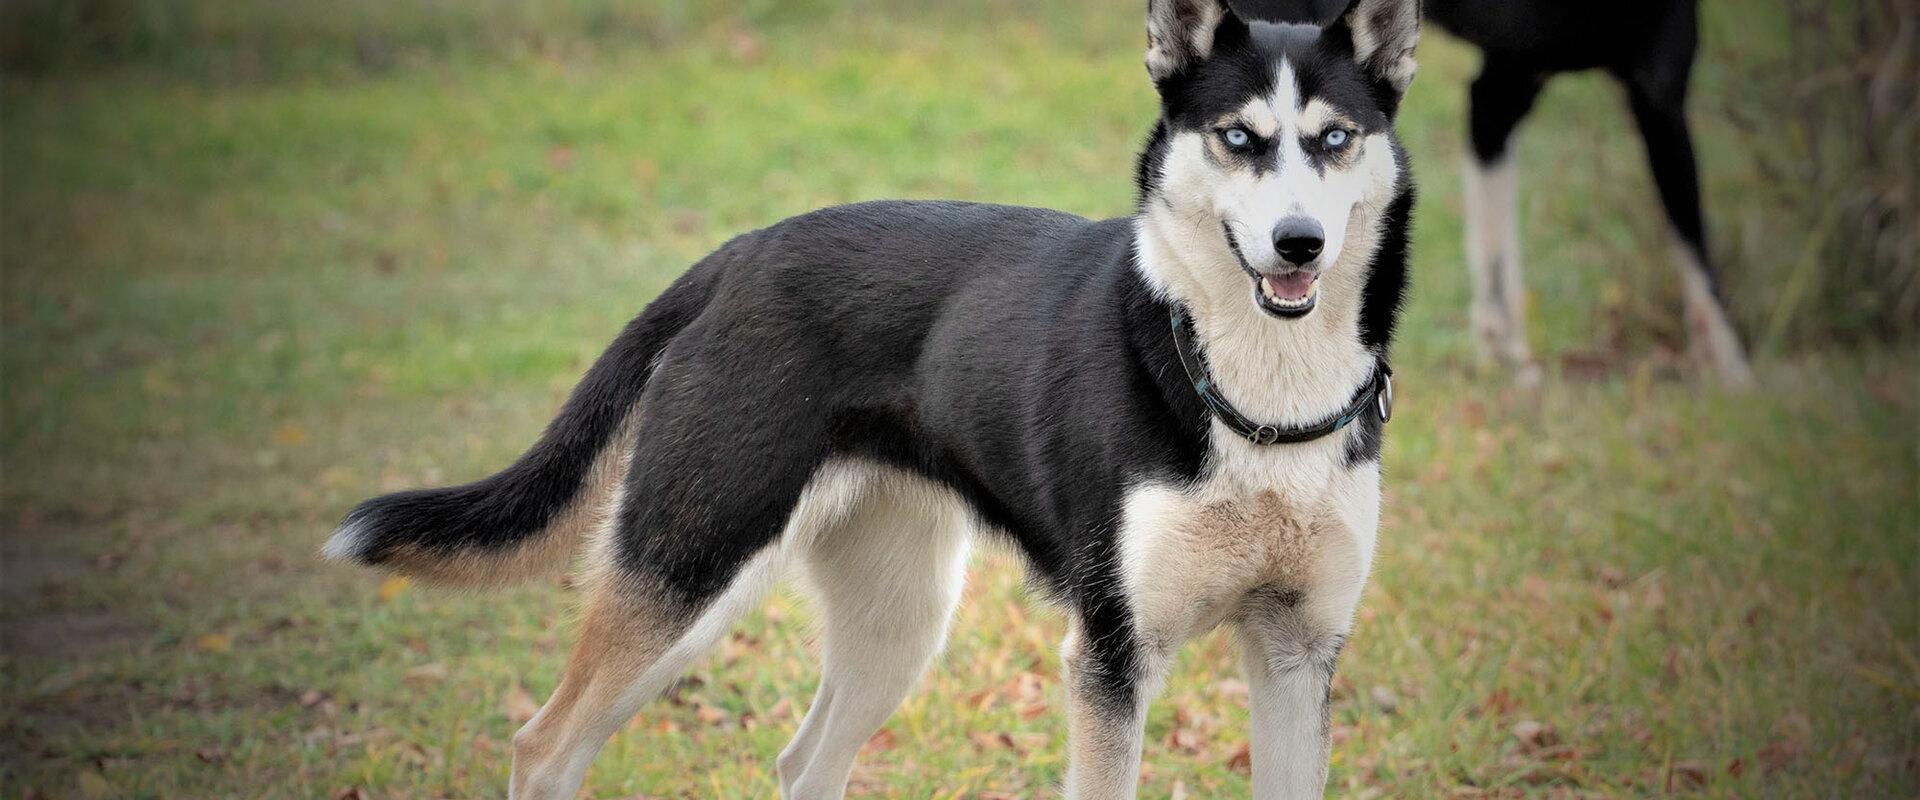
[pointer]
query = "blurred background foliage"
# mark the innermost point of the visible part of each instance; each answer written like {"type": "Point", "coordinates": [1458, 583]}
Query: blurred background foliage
{"type": "Point", "coordinates": [1825, 238]}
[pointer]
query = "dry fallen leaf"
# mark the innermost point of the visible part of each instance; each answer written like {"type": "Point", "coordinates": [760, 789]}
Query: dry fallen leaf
{"type": "Point", "coordinates": [519, 705]}
{"type": "Point", "coordinates": [1186, 740]}
{"type": "Point", "coordinates": [431, 672]}
{"type": "Point", "coordinates": [1795, 735]}
{"type": "Point", "coordinates": [883, 739]}
{"type": "Point", "coordinates": [1030, 687]}
{"type": "Point", "coordinates": [1535, 735]}
{"type": "Point", "coordinates": [1026, 742]}
{"type": "Point", "coordinates": [1686, 775]}
{"type": "Point", "coordinates": [393, 587]}
{"type": "Point", "coordinates": [1499, 704]}
{"type": "Point", "coordinates": [782, 709]}
{"type": "Point", "coordinates": [1241, 760]}
{"type": "Point", "coordinates": [214, 643]}
{"type": "Point", "coordinates": [1385, 699]}
{"type": "Point", "coordinates": [1780, 753]}
{"type": "Point", "coordinates": [1231, 689]}
{"type": "Point", "coordinates": [711, 715]}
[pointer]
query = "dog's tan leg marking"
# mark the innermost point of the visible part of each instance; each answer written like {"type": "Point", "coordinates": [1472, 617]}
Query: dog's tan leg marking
{"type": "Point", "coordinates": [632, 646]}
{"type": "Point", "coordinates": [1711, 341]}
{"type": "Point", "coordinates": [621, 637]}
{"type": "Point", "coordinates": [1493, 254]}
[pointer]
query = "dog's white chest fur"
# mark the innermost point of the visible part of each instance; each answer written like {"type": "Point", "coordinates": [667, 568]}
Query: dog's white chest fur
{"type": "Point", "coordinates": [1293, 521]}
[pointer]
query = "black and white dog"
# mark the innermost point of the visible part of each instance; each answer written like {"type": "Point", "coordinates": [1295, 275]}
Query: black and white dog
{"type": "Point", "coordinates": [1176, 416]}
{"type": "Point", "coordinates": [1648, 47]}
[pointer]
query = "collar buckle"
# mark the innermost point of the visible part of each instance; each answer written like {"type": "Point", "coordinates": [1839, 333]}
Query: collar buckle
{"type": "Point", "coordinates": [1383, 401]}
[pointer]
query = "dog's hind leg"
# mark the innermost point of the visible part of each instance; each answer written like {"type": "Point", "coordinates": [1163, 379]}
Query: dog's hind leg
{"type": "Point", "coordinates": [1501, 97]}
{"type": "Point", "coordinates": [887, 577]}
{"type": "Point", "coordinates": [1658, 94]}
{"type": "Point", "coordinates": [635, 640]}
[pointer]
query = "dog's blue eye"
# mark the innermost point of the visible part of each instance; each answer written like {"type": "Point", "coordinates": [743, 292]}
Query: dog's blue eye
{"type": "Point", "coordinates": [1236, 137]}
{"type": "Point", "coordinates": [1335, 139]}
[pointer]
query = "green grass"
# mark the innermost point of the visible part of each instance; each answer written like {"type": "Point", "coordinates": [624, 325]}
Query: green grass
{"type": "Point", "coordinates": [232, 308]}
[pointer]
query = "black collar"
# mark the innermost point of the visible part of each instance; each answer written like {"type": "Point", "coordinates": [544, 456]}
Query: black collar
{"type": "Point", "coordinates": [1376, 393]}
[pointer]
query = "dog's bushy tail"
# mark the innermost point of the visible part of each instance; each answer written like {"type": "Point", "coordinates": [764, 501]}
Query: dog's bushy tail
{"type": "Point", "coordinates": [529, 517]}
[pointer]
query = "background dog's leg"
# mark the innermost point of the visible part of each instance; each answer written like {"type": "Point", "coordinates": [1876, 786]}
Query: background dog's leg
{"type": "Point", "coordinates": [1108, 691]}
{"type": "Point", "coordinates": [887, 580]}
{"type": "Point", "coordinates": [1658, 94]}
{"type": "Point", "coordinates": [633, 644]}
{"type": "Point", "coordinates": [1501, 96]}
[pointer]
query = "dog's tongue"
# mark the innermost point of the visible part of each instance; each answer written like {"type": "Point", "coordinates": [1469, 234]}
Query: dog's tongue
{"type": "Point", "coordinates": [1290, 285]}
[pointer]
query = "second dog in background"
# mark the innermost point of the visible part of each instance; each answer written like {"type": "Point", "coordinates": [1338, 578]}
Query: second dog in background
{"type": "Point", "coordinates": [1648, 47]}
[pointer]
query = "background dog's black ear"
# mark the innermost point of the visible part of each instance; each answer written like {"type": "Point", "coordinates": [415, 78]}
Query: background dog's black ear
{"type": "Point", "coordinates": [1181, 33]}
{"type": "Point", "coordinates": [1382, 34]}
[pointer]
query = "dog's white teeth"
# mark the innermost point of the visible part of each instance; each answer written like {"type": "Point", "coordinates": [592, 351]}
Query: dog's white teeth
{"type": "Point", "coordinates": [1266, 290]}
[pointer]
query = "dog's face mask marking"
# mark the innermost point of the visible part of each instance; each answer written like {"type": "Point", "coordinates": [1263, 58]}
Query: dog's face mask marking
{"type": "Point", "coordinates": [1277, 139]}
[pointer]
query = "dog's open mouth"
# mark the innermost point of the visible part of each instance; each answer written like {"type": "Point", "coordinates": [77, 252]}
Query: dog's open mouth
{"type": "Point", "coordinates": [1287, 294]}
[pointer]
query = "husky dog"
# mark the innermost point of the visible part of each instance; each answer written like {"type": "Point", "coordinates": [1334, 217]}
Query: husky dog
{"type": "Point", "coordinates": [1175, 416]}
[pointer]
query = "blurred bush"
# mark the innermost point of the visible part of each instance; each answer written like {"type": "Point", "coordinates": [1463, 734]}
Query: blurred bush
{"type": "Point", "coordinates": [1827, 233]}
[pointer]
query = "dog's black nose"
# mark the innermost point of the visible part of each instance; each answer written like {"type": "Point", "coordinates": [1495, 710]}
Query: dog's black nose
{"type": "Point", "coordinates": [1298, 240]}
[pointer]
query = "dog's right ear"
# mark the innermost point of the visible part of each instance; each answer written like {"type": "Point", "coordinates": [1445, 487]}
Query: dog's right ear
{"type": "Point", "coordinates": [1181, 33]}
{"type": "Point", "coordinates": [1381, 34]}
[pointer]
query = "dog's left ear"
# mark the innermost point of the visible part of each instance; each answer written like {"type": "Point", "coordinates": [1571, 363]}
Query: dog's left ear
{"type": "Point", "coordinates": [1181, 33]}
{"type": "Point", "coordinates": [1382, 34]}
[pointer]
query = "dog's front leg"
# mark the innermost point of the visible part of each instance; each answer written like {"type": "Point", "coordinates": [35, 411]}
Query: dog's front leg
{"type": "Point", "coordinates": [1109, 682]}
{"type": "Point", "coordinates": [1290, 640]}
{"type": "Point", "coordinates": [1289, 669]}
